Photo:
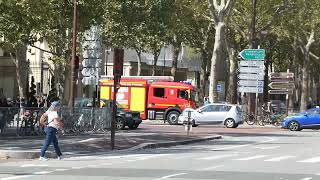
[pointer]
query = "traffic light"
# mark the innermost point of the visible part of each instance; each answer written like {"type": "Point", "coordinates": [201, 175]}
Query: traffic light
{"type": "Point", "coordinates": [76, 63]}
{"type": "Point", "coordinates": [118, 62]}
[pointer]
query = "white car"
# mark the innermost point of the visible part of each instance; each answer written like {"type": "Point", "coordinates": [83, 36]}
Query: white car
{"type": "Point", "coordinates": [215, 113]}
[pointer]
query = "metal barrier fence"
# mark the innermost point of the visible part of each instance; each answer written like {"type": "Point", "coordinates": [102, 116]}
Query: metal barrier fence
{"type": "Point", "coordinates": [25, 121]}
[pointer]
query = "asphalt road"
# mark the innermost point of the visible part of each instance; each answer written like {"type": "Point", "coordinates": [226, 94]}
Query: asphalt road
{"type": "Point", "coordinates": [273, 155]}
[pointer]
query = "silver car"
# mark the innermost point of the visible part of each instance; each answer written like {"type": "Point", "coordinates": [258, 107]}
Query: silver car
{"type": "Point", "coordinates": [215, 113]}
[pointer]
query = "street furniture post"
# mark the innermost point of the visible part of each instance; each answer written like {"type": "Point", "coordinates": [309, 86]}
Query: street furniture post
{"type": "Point", "coordinates": [117, 73]}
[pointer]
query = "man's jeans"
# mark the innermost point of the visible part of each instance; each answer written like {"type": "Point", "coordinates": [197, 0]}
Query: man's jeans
{"type": "Point", "coordinates": [50, 137]}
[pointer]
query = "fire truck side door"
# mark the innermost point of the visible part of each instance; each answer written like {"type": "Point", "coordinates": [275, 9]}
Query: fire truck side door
{"type": "Point", "coordinates": [158, 96]}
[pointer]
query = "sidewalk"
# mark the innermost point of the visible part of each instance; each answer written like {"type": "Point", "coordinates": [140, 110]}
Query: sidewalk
{"type": "Point", "coordinates": [146, 136]}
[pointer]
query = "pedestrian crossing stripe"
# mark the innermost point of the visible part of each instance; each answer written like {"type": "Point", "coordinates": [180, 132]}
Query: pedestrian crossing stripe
{"type": "Point", "coordinates": [277, 159]}
{"type": "Point", "coordinates": [311, 160]}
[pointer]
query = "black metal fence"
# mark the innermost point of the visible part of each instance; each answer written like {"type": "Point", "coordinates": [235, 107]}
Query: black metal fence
{"type": "Point", "coordinates": [25, 121]}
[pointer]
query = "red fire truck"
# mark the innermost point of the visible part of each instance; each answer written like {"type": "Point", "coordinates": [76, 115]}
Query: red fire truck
{"type": "Point", "coordinates": [155, 97]}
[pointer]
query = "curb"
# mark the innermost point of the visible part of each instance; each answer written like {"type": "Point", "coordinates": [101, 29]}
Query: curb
{"type": "Point", "coordinates": [172, 143]}
{"type": "Point", "coordinates": [24, 154]}
{"type": "Point", "coordinates": [14, 154]}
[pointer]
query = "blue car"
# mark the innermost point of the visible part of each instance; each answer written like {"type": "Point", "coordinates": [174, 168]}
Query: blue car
{"type": "Point", "coordinates": [309, 119]}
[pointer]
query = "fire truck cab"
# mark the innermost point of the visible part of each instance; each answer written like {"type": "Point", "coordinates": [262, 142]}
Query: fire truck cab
{"type": "Point", "coordinates": [153, 97]}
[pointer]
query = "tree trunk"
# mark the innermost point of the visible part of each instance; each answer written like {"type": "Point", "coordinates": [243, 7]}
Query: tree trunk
{"type": "Point", "coordinates": [203, 74]}
{"type": "Point", "coordinates": [155, 60]}
{"type": "Point", "coordinates": [216, 57]}
{"type": "Point", "coordinates": [304, 89]}
{"type": "Point", "coordinates": [232, 85]}
{"type": "Point", "coordinates": [176, 50]}
{"type": "Point", "coordinates": [139, 61]}
{"type": "Point", "coordinates": [305, 73]}
{"type": "Point", "coordinates": [20, 62]}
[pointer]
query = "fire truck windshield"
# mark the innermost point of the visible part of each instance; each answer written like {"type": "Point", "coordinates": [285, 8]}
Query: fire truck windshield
{"type": "Point", "coordinates": [193, 96]}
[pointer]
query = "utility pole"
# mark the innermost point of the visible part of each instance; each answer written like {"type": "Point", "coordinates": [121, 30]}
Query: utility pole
{"type": "Point", "coordinates": [117, 73]}
{"type": "Point", "coordinates": [73, 58]}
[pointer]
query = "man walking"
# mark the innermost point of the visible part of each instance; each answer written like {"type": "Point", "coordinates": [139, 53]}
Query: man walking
{"type": "Point", "coordinates": [52, 126]}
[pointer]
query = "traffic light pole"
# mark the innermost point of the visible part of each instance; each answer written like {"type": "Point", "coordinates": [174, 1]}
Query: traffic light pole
{"type": "Point", "coordinates": [73, 58]}
{"type": "Point", "coordinates": [117, 73]}
{"type": "Point", "coordinates": [114, 112]}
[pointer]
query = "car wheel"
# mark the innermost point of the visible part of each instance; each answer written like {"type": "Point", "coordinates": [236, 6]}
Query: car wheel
{"type": "Point", "coordinates": [230, 123]}
{"type": "Point", "coordinates": [119, 123]}
{"type": "Point", "coordinates": [294, 126]}
{"type": "Point", "coordinates": [134, 126]}
{"type": "Point", "coordinates": [172, 117]}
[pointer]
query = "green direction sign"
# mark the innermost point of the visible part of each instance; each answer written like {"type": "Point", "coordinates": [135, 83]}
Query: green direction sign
{"type": "Point", "coordinates": [253, 54]}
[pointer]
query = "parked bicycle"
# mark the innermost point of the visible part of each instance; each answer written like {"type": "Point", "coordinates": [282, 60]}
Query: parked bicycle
{"type": "Point", "coordinates": [271, 118]}
{"type": "Point", "coordinates": [249, 118]}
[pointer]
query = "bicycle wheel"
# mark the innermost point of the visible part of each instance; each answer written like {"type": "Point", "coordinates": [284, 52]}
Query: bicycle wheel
{"type": "Point", "coordinates": [263, 121]}
{"type": "Point", "coordinates": [249, 120]}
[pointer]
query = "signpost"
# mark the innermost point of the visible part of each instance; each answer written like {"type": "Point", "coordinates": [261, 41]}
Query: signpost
{"type": "Point", "coordinates": [251, 63]}
{"type": "Point", "coordinates": [281, 91]}
{"type": "Point", "coordinates": [250, 83]}
{"type": "Point", "coordinates": [253, 54]}
{"type": "Point", "coordinates": [259, 70]}
{"type": "Point", "coordinates": [251, 72]}
{"type": "Point", "coordinates": [282, 83]}
{"type": "Point", "coordinates": [251, 76]}
{"type": "Point", "coordinates": [250, 89]}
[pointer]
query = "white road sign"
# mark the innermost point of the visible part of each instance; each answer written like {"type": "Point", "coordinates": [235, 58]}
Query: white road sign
{"type": "Point", "coordinates": [259, 70]}
{"type": "Point", "coordinates": [250, 89]}
{"type": "Point", "coordinates": [251, 76]}
{"type": "Point", "coordinates": [91, 62]}
{"type": "Point", "coordinates": [92, 54]}
{"type": "Point", "coordinates": [251, 63]}
{"type": "Point", "coordinates": [91, 80]}
{"type": "Point", "coordinates": [90, 71]}
{"type": "Point", "coordinates": [250, 83]}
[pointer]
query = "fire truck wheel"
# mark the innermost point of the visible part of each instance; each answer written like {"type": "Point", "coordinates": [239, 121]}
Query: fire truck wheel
{"type": "Point", "coordinates": [119, 123]}
{"type": "Point", "coordinates": [172, 117]}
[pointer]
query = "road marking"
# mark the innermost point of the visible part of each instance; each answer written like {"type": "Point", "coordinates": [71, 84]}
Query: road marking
{"type": "Point", "coordinates": [124, 156]}
{"type": "Point", "coordinates": [172, 175]}
{"type": "Point", "coordinates": [16, 177]}
{"type": "Point", "coordinates": [279, 158]}
{"type": "Point", "coordinates": [93, 166]}
{"type": "Point", "coordinates": [218, 157]}
{"type": "Point", "coordinates": [311, 160]}
{"type": "Point", "coordinates": [307, 178]}
{"type": "Point", "coordinates": [245, 145]}
{"type": "Point", "coordinates": [42, 172]}
{"type": "Point", "coordinates": [251, 158]}
{"type": "Point", "coordinates": [77, 167]}
{"type": "Point", "coordinates": [34, 165]}
{"type": "Point", "coordinates": [87, 140]}
{"type": "Point", "coordinates": [210, 168]}
{"type": "Point", "coordinates": [266, 148]}
{"type": "Point", "coordinates": [61, 169]}
{"type": "Point", "coordinates": [146, 157]}
{"type": "Point", "coordinates": [106, 164]}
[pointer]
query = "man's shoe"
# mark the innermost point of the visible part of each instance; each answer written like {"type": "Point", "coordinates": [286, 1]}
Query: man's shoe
{"type": "Point", "coordinates": [60, 157]}
{"type": "Point", "coordinates": [43, 159]}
